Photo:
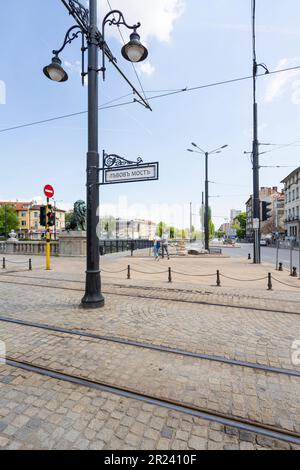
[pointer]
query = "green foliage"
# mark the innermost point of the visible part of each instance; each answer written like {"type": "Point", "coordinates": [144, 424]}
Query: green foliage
{"type": "Point", "coordinates": [242, 218]}
{"type": "Point", "coordinates": [212, 229]}
{"type": "Point", "coordinates": [172, 233]}
{"type": "Point", "coordinates": [162, 227]}
{"type": "Point", "coordinates": [108, 225]}
{"type": "Point", "coordinates": [11, 218]}
{"type": "Point", "coordinates": [220, 233]}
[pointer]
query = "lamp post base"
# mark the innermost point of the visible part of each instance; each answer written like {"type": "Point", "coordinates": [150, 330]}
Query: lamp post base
{"type": "Point", "coordinates": [93, 298]}
{"type": "Point", "coordinates": [93, 302]}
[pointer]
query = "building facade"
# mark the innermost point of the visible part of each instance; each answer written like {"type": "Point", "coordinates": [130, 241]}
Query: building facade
{"type": "Point", "coordinates": [234, 214]}
{"type": "Point", "coordinates": [292, 204]}
{"type": "Point", "coordinates": [127, 229]}
{"type": "Point", "coordinates": [29, 219]}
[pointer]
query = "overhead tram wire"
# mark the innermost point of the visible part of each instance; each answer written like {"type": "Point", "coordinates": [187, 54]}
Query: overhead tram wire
{"type": "Point", "coordinates": [133, 66]}
{"type": "Point", "coordinates": [171, 93]}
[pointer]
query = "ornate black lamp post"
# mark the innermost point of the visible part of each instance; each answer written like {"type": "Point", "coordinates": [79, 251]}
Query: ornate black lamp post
{"type": "Point", "coordinates": [92, 41]}
{"type": "Point", "coordinates": [206, 212]}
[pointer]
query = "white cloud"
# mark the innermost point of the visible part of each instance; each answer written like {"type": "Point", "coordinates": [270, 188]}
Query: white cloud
{"type": "Point", "coordinates": [146, 69]}
{"type": "Point", "coordinates": [75, 67]}
{"type": "Point", "coordinates": [156, 16]}
{"type": "Point", "coordinates": [281, 82]}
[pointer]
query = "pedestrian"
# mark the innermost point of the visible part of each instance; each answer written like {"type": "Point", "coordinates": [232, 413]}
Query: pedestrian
{"type": "Point", "coordinates": [165, 245]}
{"type": "Point", "coordinates": [156, 247]}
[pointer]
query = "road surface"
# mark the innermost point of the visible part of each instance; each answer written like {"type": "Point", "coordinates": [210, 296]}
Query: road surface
{"type": "Point", "coordinates": [268, 254]}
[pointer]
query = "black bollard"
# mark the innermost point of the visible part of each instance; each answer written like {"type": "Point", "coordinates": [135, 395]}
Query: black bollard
{"type": "Point", "coordinates": [128, 272]}
{"type": "Point", "coordinates": [3, 263]}
{"type": "Point", "coordinates": [30, 265]}
{"type": "Point", "coordinates": [294, 273]}
{"type": "Point", "coordinates": [280, 267]}
{"type": "Point", "coordinates": [270, 287]}
{"type": "Point", "coordinates": [249, 256]}
{"type": "Point", "coordinates": [170, 275]}
{"type": "Point", "coordinates": [218, 279]}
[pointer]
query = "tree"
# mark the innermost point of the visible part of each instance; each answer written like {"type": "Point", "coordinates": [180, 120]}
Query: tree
{"type": "Point", "coordinates": [212, 229]}
{"type": "Point", "coordinates": [161, 228]}
{"type": "Point", "coordinates": [12, 221]}
{"type": "Point", "coordinates": [220, 233]}
{"type": "Point", "coordinates": [241, 227]}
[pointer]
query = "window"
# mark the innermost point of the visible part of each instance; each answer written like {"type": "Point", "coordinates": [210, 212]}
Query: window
{"type": "Point", "coordinates": [23, 214]}
{"type": "Point", "coordinates": [23, 223]}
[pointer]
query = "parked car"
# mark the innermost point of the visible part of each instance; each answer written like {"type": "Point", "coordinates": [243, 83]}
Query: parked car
{"type": "Point", "coordinates": [263, 243]}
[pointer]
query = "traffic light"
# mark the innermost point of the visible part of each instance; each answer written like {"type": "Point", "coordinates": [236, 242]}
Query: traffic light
{"type": "Point", "coordinates": [43, 216]}
{"type": "Point", "coordinates": [51, 217]}
{"type": "Point", "coordinates": [266, 210]}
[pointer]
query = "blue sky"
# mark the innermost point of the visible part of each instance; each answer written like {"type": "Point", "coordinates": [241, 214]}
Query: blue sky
{"type": "Point", "coordinates": [191, 42]}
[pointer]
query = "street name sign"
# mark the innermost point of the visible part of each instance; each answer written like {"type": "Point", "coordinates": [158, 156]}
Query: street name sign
{"type": "Point", "coordinates": [117, 170]}
{"type": "Point", "coordinates": [147, 172]}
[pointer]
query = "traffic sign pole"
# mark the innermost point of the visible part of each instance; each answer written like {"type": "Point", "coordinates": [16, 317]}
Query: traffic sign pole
{"type": "Point", "coordinates": [48, 239]}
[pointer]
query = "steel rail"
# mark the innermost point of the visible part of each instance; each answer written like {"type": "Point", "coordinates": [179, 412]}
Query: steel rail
{"type": "Point", "coordinates": [153, 347]}
{"type": "Point", "coordinates": [192, 302]}
{"type": "Point", "coordinates": [221, 418]}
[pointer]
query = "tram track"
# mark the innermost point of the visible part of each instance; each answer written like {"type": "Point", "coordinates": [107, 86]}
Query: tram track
{"type": "Point", "coordinates": [241, 424]}
{"type": "Point", "coordinates": [151, 297]}
{"type": "Point", "coordinates": [153, 347]}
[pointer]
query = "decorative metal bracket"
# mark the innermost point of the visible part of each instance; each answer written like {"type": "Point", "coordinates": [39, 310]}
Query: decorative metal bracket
{"type": "Point", "coordinates": [79, 13]}
{"type": "Point", "coordinates": [113, 18]}
{"type": "Point", "coordinates": [113, 160]}
{"type": "Point", "coordinates": [81, 16]}
{"type": "Point", "coordinates": [69, 38]}
{"type": "Point", "coordinates": [120, 20]}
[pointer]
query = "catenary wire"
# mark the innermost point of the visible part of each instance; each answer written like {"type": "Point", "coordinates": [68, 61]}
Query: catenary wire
{"type": "Point", "coordinates": [171, 93]}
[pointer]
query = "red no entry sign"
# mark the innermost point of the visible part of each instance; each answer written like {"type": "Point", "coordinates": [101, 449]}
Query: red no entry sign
{"type": "Point", "coordinates": [48, 191]}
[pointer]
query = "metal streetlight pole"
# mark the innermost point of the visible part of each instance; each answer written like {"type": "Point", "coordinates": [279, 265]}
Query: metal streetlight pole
{"type": "Point", "coordinates": [93, 296]}
{"type": "Point", "coordinates": [206, 212]}
{"type": "Point", "coordinates": [134, 51]}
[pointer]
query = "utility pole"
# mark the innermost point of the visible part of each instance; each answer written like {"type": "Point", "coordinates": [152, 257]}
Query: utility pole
{"type": "Point", "coordinates": [202, 220]}
{"type": "Point", "coordinates": [206, 214]}
{"type": "Point", "coordinates": [255, 156]}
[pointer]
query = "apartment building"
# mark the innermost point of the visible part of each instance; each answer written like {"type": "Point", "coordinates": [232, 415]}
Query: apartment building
{"type": "Point", "coordinates": [29, 218]}
{"type": "Point", "coordinates": [127, 229]}
{"type": "Point", "coordinates": [292, 203]}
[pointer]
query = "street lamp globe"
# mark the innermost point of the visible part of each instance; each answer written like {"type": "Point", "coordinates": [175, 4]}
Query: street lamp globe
{"type": "Point", "coordinates": [55, 72]}
{"type": "Point", "coordinates": [134, 51]}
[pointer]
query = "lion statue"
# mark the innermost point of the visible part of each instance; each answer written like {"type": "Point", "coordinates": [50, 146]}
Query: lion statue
{"type": "Point", "coordinates": [78, 217]}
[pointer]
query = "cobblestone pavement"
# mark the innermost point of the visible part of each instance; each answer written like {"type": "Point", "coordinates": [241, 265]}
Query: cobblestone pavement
{"type": "Point", "coordinates": [237, 333]}
{"type": "Point", "coordinates": [43, 413]}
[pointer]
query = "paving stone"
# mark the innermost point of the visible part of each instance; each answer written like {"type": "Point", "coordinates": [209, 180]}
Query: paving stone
{"type": "Point", "coordinates": [47, 413]}
{"type": "Point", "coordinates": [167, 432]}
